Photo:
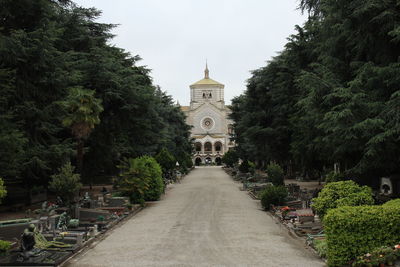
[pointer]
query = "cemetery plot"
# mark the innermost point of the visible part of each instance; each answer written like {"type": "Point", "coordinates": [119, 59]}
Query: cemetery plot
{"type": "Point", "coordinates": [54, 232]}
{"type": "Point", "coordinates": [295, 212]}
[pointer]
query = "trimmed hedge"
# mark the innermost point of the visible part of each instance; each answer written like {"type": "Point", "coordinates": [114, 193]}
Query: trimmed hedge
{"type": "Point", "coordinates": [393, 202]}
{"type": "Point", "coordinates": [340, 194]}
{"type": "Point", "coordinates": [354, 231]}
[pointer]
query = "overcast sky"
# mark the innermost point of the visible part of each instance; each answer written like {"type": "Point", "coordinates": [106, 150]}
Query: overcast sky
{"type": "Point", "coordinates": [175, 37]}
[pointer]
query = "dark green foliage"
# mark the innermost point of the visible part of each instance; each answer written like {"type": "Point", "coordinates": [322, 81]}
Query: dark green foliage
{"type": "Point", "coordinates": [275, 174]}
{"type": "Point", "coordinates": [3, 191]}
{"type": "Point", "coordinates": [185, 163]}
{"type": "Point", "coordinates": [66, 183]}
{"type": "Point", "coordinates": [354, 231]}
{"type": "Point", "coordinates": [273, 195]}
{"type": "Point", "coordinates": [230, 158]}
{"type": "Point", "coordinates": [244, 166]}
{"type": "Point", "coordinates": [140, 179]}
{"type": "Point", "coordinates": [48, 48]}
{"type": "Point", "coordinates": [330, 96]}
{"type": "Point", "coordinates": [339, 194]}
{"type": "Point", "coordinates": [166, 161]}
{"type": "Point", "coordinates": [82, 114]}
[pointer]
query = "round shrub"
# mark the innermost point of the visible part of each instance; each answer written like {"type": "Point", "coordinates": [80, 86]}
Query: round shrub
{"type": "Point", "coordinates": [140, 179]}
{"type": "Point", "coordinates": [339, 194]}
{"type": "Point", "coordinates": [273, 195]}
{"type": "Point", "coordinates": [156, 184]}
{"type": "Point", "coordinates": [230, 158]}
{"type": "Point", "coordinates": [275, 174]}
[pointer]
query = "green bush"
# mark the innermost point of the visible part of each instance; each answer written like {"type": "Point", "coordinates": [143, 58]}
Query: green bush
{"type": "Point", "coordinates": [66, 183]}
{"type": "Point", "coordinates": [334, 177]}
{"type": "Point", "coordinates": [4, 246]}
{"type": "Point", "coordinates": [140, 179]}
{"type": "Point", "coordinates": [188, 161]}
{"type": "Point", "coordinates": [156, 184]}
{"type": "Point", "coordinates": [230, 158]}
{"type": "Point", "coordinates": [393, 202]}
{"type": "Point", "coordinates": [252, 167]}
{"type": "Point", "coordinates": [275, 174]}
{"type": "Point", "coordinates": [166, 160]}
{"type": "Point", "coordinates": [321, 247]}
{"type": "Point", "coordinates": [273, 195]}
{"type": "Point", "coordinates": [354, 231]}
{"type": "Point", "coordinates": [339, 194]}
{"type": "Point", "coordinates": [3, 191]}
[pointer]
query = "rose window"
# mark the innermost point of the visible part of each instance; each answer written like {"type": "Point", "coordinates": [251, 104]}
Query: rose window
{"type": "Point", "coordinates": [208, 123]}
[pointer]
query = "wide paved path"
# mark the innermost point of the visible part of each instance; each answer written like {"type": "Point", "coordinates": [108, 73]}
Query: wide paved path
{"type": "Point", "coordinates": [204, 221]}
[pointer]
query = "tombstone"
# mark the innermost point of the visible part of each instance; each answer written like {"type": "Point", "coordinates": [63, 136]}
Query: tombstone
{"type": "Point", "coordinates": [53, 221]}
{"type": "Point", "coordinates": [76, 211]}
{"type": "Point", "coordinates": [118, 201]}
{"type": "Point", "coordinates": [9, 230]}
{"type": "Point", "coordinates": [305, 215]}
{"type": "Point", "coordinates": [100, 201]}
{"type": "Point", "coordinates": [43, 224]}
{"type": "Point", "coordinates": [390, 186]}
{"type": "Point", "coordinates": [93, 204]}
{"type": "Point", "coordinates": [79, 239]}
{"type": "Point", "coordinates": [93, 231]}
{"type": "Point", "coordinates": [93, 214]}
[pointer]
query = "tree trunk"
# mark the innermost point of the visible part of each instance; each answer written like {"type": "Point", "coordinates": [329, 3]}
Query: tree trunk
{"type": "Point", "coordinates": [79, 156]}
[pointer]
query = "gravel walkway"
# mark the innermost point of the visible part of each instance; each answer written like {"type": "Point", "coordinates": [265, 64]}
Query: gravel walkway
{"type": "Point", "coordinates": [204, 221]}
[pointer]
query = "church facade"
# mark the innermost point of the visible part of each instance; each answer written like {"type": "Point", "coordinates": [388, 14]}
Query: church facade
{"type": "Point", "coordinates": [208, 116]}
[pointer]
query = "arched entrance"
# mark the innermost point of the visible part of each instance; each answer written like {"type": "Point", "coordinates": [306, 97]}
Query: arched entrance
{"type": "Point", "coordinates": [218, 161]}
{"type": "Point", "coordinates": [197, 161]}
{"type": "Point", "coordinates": [208, 160]}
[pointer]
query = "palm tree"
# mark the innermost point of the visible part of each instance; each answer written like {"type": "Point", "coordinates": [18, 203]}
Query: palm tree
{"type": "Point", "coordinates": [83, 110]}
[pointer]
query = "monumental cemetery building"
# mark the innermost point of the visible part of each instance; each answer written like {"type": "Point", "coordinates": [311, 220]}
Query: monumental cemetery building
{"type": "Point", "coordinates": [208, 116]}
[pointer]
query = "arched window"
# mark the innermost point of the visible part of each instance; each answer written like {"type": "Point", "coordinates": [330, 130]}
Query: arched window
{"type": "Point", "coordinates": [207, 147]}
{"type": "Point", "coordinates": [218, 146]}
{"type": "Point", "coordinates": [198, 147]}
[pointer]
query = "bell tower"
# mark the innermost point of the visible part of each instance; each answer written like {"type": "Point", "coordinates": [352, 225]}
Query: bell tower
{"type": "Point", "coordinates": [207, 90]}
